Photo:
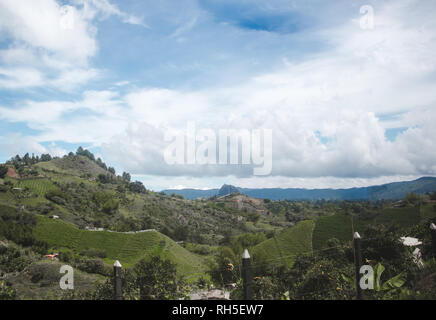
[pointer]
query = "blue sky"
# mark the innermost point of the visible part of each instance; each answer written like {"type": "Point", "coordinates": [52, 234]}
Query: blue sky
{"type": "Point", "coordinates": [347, 105]}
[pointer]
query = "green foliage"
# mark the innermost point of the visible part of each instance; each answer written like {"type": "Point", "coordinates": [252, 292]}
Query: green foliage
{"type": "Point", "coordinates": [12, 258]}
{"type": "Point", "coordinates": [225, 267]}
{"type": "Point", "coordinates": [105, 178]}
{"type": "Point", "coordinates": [6, 293]}
{"type": "Point", "coordinates": [18, 227]}
{"type": "Point", "coordinates": [126, 176]}
{"type": "Point", "coordinates": [395, 282]}
{"type": "Point", "coordinates": [92, 266]}
{"type": "Point", "coordinates": [86, 153]}
{"type": "Point", "coordinates": [3, 171]}
{"type": "Point", "coordinates": [157, 279]}
{"type": "Point", "coordinates": [56, 196]}
{"type": "Point", "coordinates": [106, 202]}
{"type": "Point", "coordinates": [137, 187]}
{"type": "Point", "coordinates": [246, 241]}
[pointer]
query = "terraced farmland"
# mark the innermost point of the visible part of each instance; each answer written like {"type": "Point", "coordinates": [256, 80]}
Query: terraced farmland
{"type": "Point", "coordinates": [339, 225]}
{"type": "Point", "coordinates": [38, 186]}
{"type": "Point", "coordinates": [287, 244]}
{"type": "Point", "coordinates": [127, 248]}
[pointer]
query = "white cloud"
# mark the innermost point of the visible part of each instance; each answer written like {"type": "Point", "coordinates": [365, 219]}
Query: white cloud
{"type": "Point", "coordinates": [50, 45]}
{"type": "Point", "coordinates": [39, 25]}
{"type": "Point", "coordinates": [342, 94]}
{"type": "Point", "coordinates": [14, 144]}
{"type": "Point", "coordinates": [104, 9]}
{"type": "Point", "coordinates": [14, 78]}
{"type": "Point", "coordinates": [339, 93]}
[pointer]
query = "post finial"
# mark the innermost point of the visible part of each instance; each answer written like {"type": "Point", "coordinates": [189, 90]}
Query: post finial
{"type": "Point", "coordinates": [117, 264]}
{"type": "Point", "coordinates": [432, 226]}
{"type": "Point", "coordinates": [356, 235]}
{"type": "Point", "coordinates": [245, 255]}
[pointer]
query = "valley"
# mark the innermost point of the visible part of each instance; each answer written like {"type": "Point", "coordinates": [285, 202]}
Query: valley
{"type": "Point", "coordinates": [78, 208]}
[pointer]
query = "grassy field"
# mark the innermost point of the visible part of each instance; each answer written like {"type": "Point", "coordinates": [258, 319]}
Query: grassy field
{"type": "Point", "coordinates": [339, 225]}
{"type": "Point", "coordinates": [38, 186]}
{"type": "Point", "coordinates": [287, 244]}
{"type": "Point", "coordinates": [127, 248]}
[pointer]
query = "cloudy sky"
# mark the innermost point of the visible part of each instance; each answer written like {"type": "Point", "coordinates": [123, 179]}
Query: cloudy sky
{"type": "Point", "coordinates": [348, 104]}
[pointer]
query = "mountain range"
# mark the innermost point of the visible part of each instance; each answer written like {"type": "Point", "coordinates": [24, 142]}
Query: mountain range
{"type": "Point", "coordinates": [389, 191]}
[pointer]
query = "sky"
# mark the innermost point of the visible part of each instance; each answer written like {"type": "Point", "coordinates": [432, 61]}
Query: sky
{"type": "Point", "coordinates": [348, 88]}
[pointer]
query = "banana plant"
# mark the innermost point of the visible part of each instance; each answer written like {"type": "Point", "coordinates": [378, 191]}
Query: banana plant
{"type": "Point", "coordinates": [394, 282]}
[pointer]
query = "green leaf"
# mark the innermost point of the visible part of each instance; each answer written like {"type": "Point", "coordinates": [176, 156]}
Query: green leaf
{"type": "Point", "coordinates": [349, 280]}
{"type": "Point", "coordinates": [395, 282]}
{"type": "Point", "coordinates": [378, 270]}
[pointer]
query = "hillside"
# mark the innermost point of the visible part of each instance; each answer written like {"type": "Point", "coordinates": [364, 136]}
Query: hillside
{"type": "Point", "coordinates": [127, 248]}
{"type": "Point", "coordinates": [72, 188]}
{"type": "Point", "coordinates": [339, 225]}
{"type": "Point", "coordinates": [77, 166]}
{"type": "Point", "coordinates": [101, 217]}
{"type": "Point", "coordinates": [390, 191]}
{"type": "Point", "coordinates": [286, 245]}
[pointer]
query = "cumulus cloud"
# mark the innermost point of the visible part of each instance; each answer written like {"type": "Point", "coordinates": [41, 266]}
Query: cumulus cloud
{"type": "Point", "coordinates": [329, 111]}
{"type": "Point", "coordinates": [342, 94]}
{"type": "Point", "coordinates": [49, 44]}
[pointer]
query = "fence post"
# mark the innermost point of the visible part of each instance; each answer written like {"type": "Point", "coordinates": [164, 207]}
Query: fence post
{"type": "Point", "coordinates": [246, 275]}
{"type": "Point", "coordinates": [358, 263]}
{"type": "Point", "coordinates": [117, 281]}
{"type": "Point", "coordinates": [433, 238]}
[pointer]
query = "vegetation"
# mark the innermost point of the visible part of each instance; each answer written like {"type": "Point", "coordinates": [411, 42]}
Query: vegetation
{"type": "Point", "coordinates": [78, 207]}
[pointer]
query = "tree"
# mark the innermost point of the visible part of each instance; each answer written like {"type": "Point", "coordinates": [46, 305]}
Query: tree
{"type": "Point", "coordinates": [45, 157]}
{"type": "Point", "coordinates": [104, 178]}
{"type": "Point", "coordinates": [86, 153]}
{"type": "Point", "coordinates": [181, 233]}
{"type": "Point", "coordinates": [225, 268]}
{"type": "Point", "coordinates": [26, 158]}
{"type": "Point", "coordinates": [157, 279]}
{"type": "Point", "coordinates": [137, 187]}
{"type": "Point", "coordinates": [111, 170]}
{"type": "Point", "coordinates": [3, 171]}
{"type": "Point", "coordinates": [126, 176]}
{"type": "Point", "coordinates": [79, 150]}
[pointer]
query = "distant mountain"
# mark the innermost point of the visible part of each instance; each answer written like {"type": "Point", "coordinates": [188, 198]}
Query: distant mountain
{"type": "Point", "coordinates": [192, 193]}
{"type": "Point", "coordinates": [390, 191]}
{"type": "Point", "coordinates": [227, 189]}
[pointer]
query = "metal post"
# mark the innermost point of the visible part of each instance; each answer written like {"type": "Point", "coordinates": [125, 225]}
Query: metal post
{"type": "Point", "coordinates": [433, 238]}
{"type": "Point", "coordinates": [246, 275]}
{"type": "Point", "coordinates": [117, 281]}
{"type": "Point", "coordinates": [358, 264]}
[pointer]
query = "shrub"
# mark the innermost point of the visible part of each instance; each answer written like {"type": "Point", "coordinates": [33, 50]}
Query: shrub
{"type": "Point", "coordinates": [92, 252]}
{"type": "Point", "coordinates": [3, 171]}
{"type": "Point", "coordinates": [57, 196]}
{"type": "Point", "coordinates": [92, 266]}
{"type": "Point", "coordinates": [6, 292]}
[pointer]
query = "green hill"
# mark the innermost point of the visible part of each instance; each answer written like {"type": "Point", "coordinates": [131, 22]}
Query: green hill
{"type": "Point", "coordinates": [127, 248]}
{"type": "Point", "coordinates": [339, 225]}
{"type": "Point", "coordinates": [76, 165]}
{"type": "Point", "coordinates": [286, 245]}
